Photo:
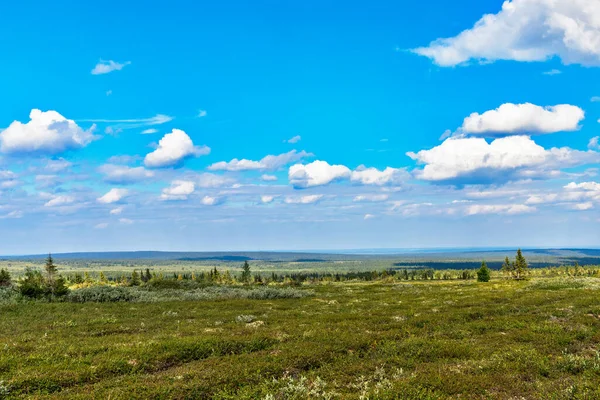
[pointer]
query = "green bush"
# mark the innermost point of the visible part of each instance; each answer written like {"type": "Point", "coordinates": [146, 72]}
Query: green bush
{"type": "Point", "coordinates": [8, 295]}
{"type": "Point", "coordinates": [32, 285]}
{"type": "Point", "coordinates": [483, 273]}
{"type": "Point", "coordinates": [103, 294]}
{"type": "Point", "coordinates": [5, 278]}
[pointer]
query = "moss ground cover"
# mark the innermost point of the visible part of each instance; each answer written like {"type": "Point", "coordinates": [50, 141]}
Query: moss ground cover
{"type": "Point", "coordinates": [537, 339]}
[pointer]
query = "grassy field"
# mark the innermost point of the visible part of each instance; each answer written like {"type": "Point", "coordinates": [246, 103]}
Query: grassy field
{"type": "Point", "coordinates": [537, 339]}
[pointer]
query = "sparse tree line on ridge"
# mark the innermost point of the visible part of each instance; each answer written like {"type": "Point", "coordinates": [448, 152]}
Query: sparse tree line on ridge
{"type": "Point", "coordinates": [49, 284]}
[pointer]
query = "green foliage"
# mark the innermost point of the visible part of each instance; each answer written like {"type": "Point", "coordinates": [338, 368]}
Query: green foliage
{"type": "Point", "coordinates": [32, 284]}
{"type": "Point", "coordinates": [386, 339]}
{"type": "Point", "coordinates": [5, 279]}
{"type": "Point", "coordinates": [135, 279]}
{"type": "Point", "coordinates": [246, 273]}
{"type": "Point", "coordinates": [35, 286]}
{"type": "Point", "coordinates": [103, 294]}
{"type": "Point", "coordinates": [483, 274]}
{"type": "Point", "coordinates": [520, 269]}
{"type": "Point", "coordinates": [50, 268]}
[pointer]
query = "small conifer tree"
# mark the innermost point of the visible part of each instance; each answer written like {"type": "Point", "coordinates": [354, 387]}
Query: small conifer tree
{"type": "Point", "coordinates": [483, 274]}
{"type": "Point", "coordinates": [135, 278]}
{"type": "Point", "coordinates": [507, 267]}
{"type": "Point", "coordinates": [50, 268]}
{"type": "Point", "coordinates": [520, 267]}
{"type": "Point", "coordinates": [5, 279]}
{"type": "Point", "coordinates": [246, 273]}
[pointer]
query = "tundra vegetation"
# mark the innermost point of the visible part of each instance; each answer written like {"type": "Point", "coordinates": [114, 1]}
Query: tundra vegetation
{"type": "Point", "coordinates": [513, 333]}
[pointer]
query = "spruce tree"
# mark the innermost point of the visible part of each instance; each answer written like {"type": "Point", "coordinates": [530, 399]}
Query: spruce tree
{"type": "Point", "coordinates": [483, 274]}
{"type": "Point", "coordinates": [507, 267]}
{"type": "Point", "coordinates": [520, 267]}
{"type": "Point", "coordinates": [50, 268]}
{"type": "Point", "coordinates": [135, 278]}
{"type": "Point", "coordinates": [4, 278]}
{"type": "Point", "coordinates": [246, 273]}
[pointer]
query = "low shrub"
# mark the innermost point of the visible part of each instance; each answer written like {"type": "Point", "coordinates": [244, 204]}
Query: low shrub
{"type": "Point", "coordinates": [106, 294]}
{"type": "Point", "coordinates": [8, 294]}
{"type": "Point", "coordinates": [103, 294]}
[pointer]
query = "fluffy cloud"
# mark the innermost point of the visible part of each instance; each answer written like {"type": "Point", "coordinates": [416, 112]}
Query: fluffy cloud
{"type": "Point", "coordinates": [373, 176]}
{"type": "Point", "coordinates": [116, 211]}
{"type": "Point", "coordinates": [523, 118]}
{"type": "Point", "coordinates": [310, 199]}
{"type": "Point", "coordinates": [368, 216]}
{"type": "Point", "coordinates": [59, 200]}
{"type": "Point", "coordinates": [267, 199]}
{"type": "Point", "coordinates": [173, 149]}
{"type": "Point", "coordinates": [295, 139]}
{"type": "Point", "coordinates": [268, 178]}
{"type": "Point", "coordinates": [582, 206]}
{"type": "Point", "coordinates": [317, 173]}
{"type": "Point", "coordinates": [508, 209]}
{"type": "Point", "coordinates": [122, 174]}
{"type": "Point", "coordinates": [474, 160]}
{"type": "Point", "coordinates": [526, 30]}
{"type": "Point", "coordinates": [149, 131]}
{"type": "Point", "coordinates": [179, 190]}
{"type": "Point", "coordinates": [212, 200]}
{"type": "Point", "coordinates": [46, 133]}
{"type": "Point", "coordinates": [593, 143]}
{"type": "Point", "coordinates": [371, 198]}
{"type": "Point", "coordinates": [106, 66]}
{"type": "Point", "coordinates": [268, 163]}
{"type": "Point", "coordinates": [591, 186]}
{"type": "Point", "coordinates": [113, 196]}
{"type": "Point", "coordinates": [542, 199]}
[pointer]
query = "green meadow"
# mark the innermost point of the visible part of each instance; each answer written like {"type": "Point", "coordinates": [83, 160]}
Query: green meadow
{"type": "Point", "coordinates": [384, 339]}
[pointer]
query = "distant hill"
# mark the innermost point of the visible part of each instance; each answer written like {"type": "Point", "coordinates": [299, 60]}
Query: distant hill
{"type": "Point", "coordinates": [429, 258]}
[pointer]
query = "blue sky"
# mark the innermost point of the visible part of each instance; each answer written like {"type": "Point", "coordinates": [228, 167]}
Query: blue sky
{"type": "Point", "coordinates": [299, 125]}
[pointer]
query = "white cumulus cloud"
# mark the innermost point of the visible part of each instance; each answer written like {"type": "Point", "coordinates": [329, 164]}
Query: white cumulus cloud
{"type": "Point", "coordinates": [593, 143]}
{"type": "Point", "coordinates": [582, 206]}
{"type": "Point", "coordinates": [268, 163]}
{"type": "Point", "coordinates": [106, 66]}
{"type": "Point", "coordinates": [268, 178]}
{"type": "Point", "coordinates": [179, 190]}
{"type": "Point", "coordinates": [113, 195]}
{"type": "Point", "coordinates": [524, 118]}
{"type": "Point", "coordinates": [267, 199]}
{"type": "Point", "coordinates": [317, 173]}
{"type": "Point", "coordinates": [373, 176]}
{"type": "Point", "coordinates": [474, 160]}
{"type": "Point", "coordinates": [116, 211]}
{"type": "Point", "coordinates": [526, 30]}
{"type": "Point", "coordinates": [295, 139]}
{"type": "Point", "coordinates": [212, 200]}
{"type": "Point", "coordinates": [47, 132]}
{"type": "Point", "coordinates": [173, 149]}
